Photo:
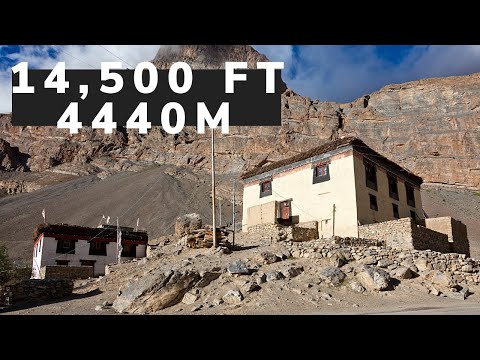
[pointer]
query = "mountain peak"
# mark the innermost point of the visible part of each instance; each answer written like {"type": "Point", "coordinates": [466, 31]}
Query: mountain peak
{"type": "Point", "coordinates": [207, 56]}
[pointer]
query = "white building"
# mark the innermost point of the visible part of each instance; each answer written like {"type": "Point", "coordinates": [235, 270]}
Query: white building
{"type": "Point", "coordinates": [342, 185]}
{"type": "Point", "coordinates": [70, 245]}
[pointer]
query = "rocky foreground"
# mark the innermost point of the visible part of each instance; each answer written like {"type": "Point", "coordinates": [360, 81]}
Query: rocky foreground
{"type": "Point", "coordinates": [263, 277]}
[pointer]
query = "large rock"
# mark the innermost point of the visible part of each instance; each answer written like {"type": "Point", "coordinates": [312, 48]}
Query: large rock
{"type": "Point", "coordinates": [233, 296]}
{"type": "Point", "coordinates": [332, 275]}
{"type": "Point", "coordinates": [274, 275]}
{"type": "Point", "coordinates": [238, 267]}
{"type": "Point", "coordinates": [384, 263]}
{"type": "Point", "coordinates": [266, 257]}
{"type": "Point", "coordinates": [440, 278]}
{"type": "Point", "coordinates": [155, 291]}
{"type": "Point", "coordinates": [402, 272]}
{"type": "Point", "coordinates": [373, 278]}
{"type": "Point", "coordinates": [185, 224]}
{"type": "Point", "coordinates": [292, 271]}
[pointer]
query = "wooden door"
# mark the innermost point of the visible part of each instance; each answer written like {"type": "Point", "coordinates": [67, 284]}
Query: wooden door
{"type": "Point", "coordinates": [285, 210]}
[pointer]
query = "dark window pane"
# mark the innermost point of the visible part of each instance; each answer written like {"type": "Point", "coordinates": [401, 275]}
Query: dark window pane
{"type": "Point", "coordinates": [393, 187]}
{"type": "Point", "coordinates": [98, 248]}
{"type": "Point", "coordinates": [373, 202]}
{"type": "Point", "coordinates": [410, 195]}
{"type": "Point", "coordinates": [371, 175]}
{"type": "Point", "coordinates": [396, 214]}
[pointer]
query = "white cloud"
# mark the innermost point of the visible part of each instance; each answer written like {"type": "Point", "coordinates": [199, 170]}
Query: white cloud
{"type": "Point", "coordinates": [328, 73]}
{"type": "Point", "coordinates": [344, 73]}
{"type": "Point", "coordinates": [75, 57]}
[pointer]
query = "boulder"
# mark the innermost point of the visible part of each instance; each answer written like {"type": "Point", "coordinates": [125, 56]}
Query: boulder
{"type": "Point", "coordinates": [440, 278]}
{"type": "Point", "coordinates": [383, 263]}
{"type": "Point", "coordinates": [423, 265]}
{"type": "Point", "coordinates": [238, 267]}
{"type": "Point", "coordinates": [260, 278]}
{"type": "Point", "coordinates": [189, 298]}
{"type": "Point", "coordinates": [266, 257]}
{"type": "Point", "coordinates": [402, 272]}
{"type": "Point", "coordinates": [247, 286]}
{"type": "Point", "coordinates": [274, 275]}
{"type": "Point", "coordinates": [186, 224]}
{"type": "Point", "coordinates": [373, 278]}
{"type": "Point", "coordinates": [369, 260]}
{"type": "Point", "coordinates": [233, 296]}
{"type": "Point", "coordinates": [332, 275]}
{"type": "Point", "coordinates": [337, 260]}
{"type": "Point", "coordinates": [356, 286]}
{"type": "Point", "coordinates": [155, 291]}
{"type": "Point", "coordinates": [292, 271]}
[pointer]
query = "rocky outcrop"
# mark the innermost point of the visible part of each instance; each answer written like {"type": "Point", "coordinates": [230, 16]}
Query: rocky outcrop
{"type": "Point", "coordinates": [11, 159]}
{"type": "Point", "coordinates": [155, 291]}
{"type": "Point", "coordinates": [431, 127]}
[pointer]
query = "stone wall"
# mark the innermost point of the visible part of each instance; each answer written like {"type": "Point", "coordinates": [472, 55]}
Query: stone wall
{"type": "Point", "coordinates": [66, 272]}
{"type": "Point", "coordinates": [396, 233]}
{"type": "Point", "coordinates": [425, 239]}
{"type": "Point", "coordinates": [454, 229]}
{"type": "Point", "coordinates": [462, 269]}
{"type": "Point", "coordinates": [35, 289]}
{"type": "Point", "coordinates": [276, 232]}
{"type": "Point", "coordinates": [405, 233]}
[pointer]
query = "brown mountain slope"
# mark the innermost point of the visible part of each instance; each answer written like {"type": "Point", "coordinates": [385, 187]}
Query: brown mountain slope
{"type": "Point", "coordinates": [430, 126]}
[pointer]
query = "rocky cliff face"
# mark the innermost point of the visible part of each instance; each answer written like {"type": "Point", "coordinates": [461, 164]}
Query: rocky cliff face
{"type": "Point", "coordinates": [431, 127]}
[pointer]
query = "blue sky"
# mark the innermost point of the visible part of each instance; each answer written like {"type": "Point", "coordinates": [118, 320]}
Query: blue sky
{"type": "Point", "coordinates": [325, 72]}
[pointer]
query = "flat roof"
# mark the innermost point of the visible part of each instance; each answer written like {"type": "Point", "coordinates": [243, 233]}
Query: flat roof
{"type": "Point", "coordinates": [354, 142]}
{"type": "Point", "coordinates": [106, 233]}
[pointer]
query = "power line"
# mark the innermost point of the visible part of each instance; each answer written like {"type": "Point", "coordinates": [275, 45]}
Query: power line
{"type": "Point", "coordinates": [76, 58]}
{"type": "Point", "coordinates": [118, 57]}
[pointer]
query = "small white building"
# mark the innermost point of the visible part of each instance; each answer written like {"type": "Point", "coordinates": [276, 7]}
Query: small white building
{"type": "Point", "coordinates": [74, 246]}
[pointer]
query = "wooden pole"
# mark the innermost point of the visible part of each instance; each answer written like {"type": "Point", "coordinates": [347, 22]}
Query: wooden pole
{"type": "Point", "coordinates": [213, 191]}
{"type": "Point", "coordinates": [333, 220]}
{"type": "Point", "coordinates": [220, 212]}
{"type": "Point", "coordinates": [233, 217]}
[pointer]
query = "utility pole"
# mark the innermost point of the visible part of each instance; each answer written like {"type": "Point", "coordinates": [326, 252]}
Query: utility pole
{"type": "Point", "coordinates": [233, 216]}
{"type": "Point", "coordinates": [220, 212]}
{"type": "Point", "coordinates": [213, 190]}
{"type": "Point", "coordinates": [333, 220]}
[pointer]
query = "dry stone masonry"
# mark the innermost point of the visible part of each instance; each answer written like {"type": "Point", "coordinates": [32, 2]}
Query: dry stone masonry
{"type": "Point", "coordinates": [461, 269]}
{"type": "Point", "coordinates": [443, 234]}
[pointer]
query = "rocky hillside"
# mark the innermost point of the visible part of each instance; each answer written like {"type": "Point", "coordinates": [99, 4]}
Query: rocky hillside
{"type": "Point", "coordinates": [431, 127]}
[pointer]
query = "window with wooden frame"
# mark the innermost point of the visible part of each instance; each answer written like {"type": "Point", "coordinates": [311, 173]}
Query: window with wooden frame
{"type": "Point", "coordinates": [410, 194]}
{"type": "Point", "coordinates": [265, 188]}
{"type": "Point", "coordinates": [392, 186]}
{"type": "Point", "coordinates": [98, 248]}
{"type": "Point", "coordinates": [321, 172]}
{"type": "Point", "coordinates": [396, 214]}
{"type": "Point", "coordinates": [65, 246]}
{"type": "Point", "coordinates": [371, 175]}
{"type": "Point", "coordinates": [373, 202]}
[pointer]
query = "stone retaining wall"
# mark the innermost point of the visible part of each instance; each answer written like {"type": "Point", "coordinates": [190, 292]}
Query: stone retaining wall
{"type": "Point", "coordinates": [462, 269]}
{"type": "Point", "coordinates": [405, 233]}
{"type": "Point", "coordinates": [275, 232]}
{"type": "Point", "coordinates": [35, 289]}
